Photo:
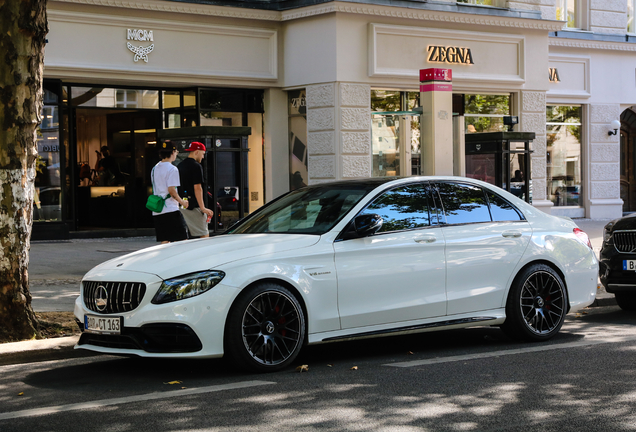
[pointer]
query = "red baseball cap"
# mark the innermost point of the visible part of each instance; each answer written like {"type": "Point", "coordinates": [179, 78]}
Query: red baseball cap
{"type": "Point", "coordinates": [195, 145]}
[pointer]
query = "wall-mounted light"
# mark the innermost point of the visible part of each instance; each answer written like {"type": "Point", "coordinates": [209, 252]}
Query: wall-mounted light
{"type": "Point", "coordinates": [615, 125]}
{"type": "Point", "coordinates": [510, 121]}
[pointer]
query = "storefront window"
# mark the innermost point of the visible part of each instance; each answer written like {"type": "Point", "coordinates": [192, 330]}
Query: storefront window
{"type": "Point", "coordinates": [114, 98]}
{"type": "Point", "coordinates": [480, 2]}
{"type": "Point", "coordinates": [563, 124]}
{"type": "Point", "coordinates": [48, 187]}
{"type": "Point", "coordinates": [567, 11]}
{"type": "Point", "coordinates": [485, 113]}
{"type": "Point", "coordinates": [395, 133]}
{"type": "Point", "coordinates": [298, 174]}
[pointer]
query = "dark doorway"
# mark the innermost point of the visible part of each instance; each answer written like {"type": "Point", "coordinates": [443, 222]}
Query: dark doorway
{"type": "Point", "coordinates": [225, 169]}
{"type": "Point", "coordinates": [115, 150]}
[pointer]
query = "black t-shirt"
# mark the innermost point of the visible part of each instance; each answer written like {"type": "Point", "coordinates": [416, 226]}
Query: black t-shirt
{"type": "Point", "coordinates": [190, 174]}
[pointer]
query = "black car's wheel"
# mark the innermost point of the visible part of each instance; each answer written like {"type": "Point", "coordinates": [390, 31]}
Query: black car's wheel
{"type": "Point", "coordinates": [536, 305]}
{"type": "Point", "coordinates": [265, 328]}
{"type": "Point", "coordinates": [626, 300]}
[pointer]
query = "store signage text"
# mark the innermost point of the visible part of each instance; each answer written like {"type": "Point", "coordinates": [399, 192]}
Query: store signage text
{"type": "Point", "coordinates": [141, 52]}
{"type": "Point", "coordinates": [553, 75]}
{"type": "Point", "coordinates": [298, 102]}
{"type": "Point", "coordinates": [452, 55]}
{"type": "Point", "coordinates": [42, 148]}
{"type": "Point", "coordinates": [140, 35]}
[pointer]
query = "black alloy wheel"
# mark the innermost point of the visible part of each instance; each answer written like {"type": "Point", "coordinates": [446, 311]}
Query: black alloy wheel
{"type": "Point", "coordinates": [537, 304]}
{"type": "Point", "coordinates": [266, 328]}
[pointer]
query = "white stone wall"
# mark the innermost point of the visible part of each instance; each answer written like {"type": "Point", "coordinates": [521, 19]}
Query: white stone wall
{"type": "Point", "coordinates": [547, 7]}
{"type": "Point", "coordinates": [338, 131]}
{"type": "Point", "coordinates": [532, 119]}
{"type": "Point", "coordinates": [604, 163]}
{"type": "Point", "coordinates": [608, 16]}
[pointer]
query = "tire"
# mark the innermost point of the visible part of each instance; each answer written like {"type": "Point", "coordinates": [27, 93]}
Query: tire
{"type": "Point", "coordinates": [626, 300]}
{"type": "Point", "coordinates": [537, 304]}
{"type": "Point", "coordinates": [265, 328]}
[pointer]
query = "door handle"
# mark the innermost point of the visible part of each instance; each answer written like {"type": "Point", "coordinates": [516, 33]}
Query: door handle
{"type": "Point", "coordinates": [425, 239]}
{"type": "Point", "coordinates": [511, 234]}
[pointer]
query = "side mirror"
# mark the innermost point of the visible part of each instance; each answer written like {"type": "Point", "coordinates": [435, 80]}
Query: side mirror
{"type": "Point", "coordinates": [368, 224]}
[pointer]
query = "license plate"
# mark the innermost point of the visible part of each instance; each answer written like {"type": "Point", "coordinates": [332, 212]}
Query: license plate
{"type": "Point", "coordinates": [103, 325]}
{"type": "Point", "coordinates": [629, 265]}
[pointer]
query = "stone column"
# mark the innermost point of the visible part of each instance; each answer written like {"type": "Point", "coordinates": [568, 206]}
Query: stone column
{"type": "Point", "coordinates": [532, 119]}
{"type": "Point", "coordinates": [321, 133]}
{"type": "Point", "coordinates": [355, 132]}
{"type": "Point", "coordinates": [338, 131]}
{"type": "Point", "coordinates": [604, 164]}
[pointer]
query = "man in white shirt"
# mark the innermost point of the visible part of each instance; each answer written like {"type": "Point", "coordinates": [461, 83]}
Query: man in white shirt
{"type": "Point", "coordinates": [169, 223]}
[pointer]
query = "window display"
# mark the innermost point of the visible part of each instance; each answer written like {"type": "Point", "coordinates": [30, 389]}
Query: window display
{"type": "Point", "coordinates": [563, 124]}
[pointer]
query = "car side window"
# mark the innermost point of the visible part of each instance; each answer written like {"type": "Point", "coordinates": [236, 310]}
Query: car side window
{"type": "Point", "coordinates": [501, 210]}
{"type": "Point", "coordinates": [463, 203]}
{"type": "Point", "coordinates": [403, 208]}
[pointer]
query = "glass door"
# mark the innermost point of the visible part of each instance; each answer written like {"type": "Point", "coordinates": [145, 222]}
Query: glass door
{"type": "Point", "coordinates": [227, 170]}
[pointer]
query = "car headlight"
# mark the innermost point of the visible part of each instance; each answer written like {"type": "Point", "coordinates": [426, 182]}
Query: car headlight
{"type": "Point", "coordinates": [187, 286]}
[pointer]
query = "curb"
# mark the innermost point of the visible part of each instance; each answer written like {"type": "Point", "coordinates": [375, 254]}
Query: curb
{"type": "Point", "coordinates": [32, 351]}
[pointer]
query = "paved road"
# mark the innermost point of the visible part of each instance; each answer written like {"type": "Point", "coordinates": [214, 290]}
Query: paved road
{"type": "Point", "coordinates": [463, 380]}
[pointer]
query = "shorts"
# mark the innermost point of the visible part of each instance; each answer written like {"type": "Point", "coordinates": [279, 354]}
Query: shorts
{"type": "Point", "coordinates": [197, 222]}
{"type": "Point", "coordinates": [170, 227]}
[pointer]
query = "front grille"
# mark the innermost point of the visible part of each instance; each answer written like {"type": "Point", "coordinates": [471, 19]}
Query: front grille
{"type": "Point", "coordinates": [113, 297]}
{"type": "Point", "coordinates": [625, 241]}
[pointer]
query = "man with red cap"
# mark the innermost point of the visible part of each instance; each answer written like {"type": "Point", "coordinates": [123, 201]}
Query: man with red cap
{"type": "Point", "coordinates": [192, 187]}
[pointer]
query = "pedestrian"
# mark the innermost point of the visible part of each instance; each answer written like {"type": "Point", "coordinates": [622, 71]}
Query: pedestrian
{"type": "Point", "coordinates": [107, 168]}
{"type": "Point", "coordinates": [169, 223]}
{"type": "Point", "coordinates": [196, 215]}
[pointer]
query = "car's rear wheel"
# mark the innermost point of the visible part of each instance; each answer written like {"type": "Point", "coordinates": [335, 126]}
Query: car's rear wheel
{"type": "Point", "coordinates": [265, 328]}
{"type": "Point", "coordinates": [626, 300]}
{"type": "Point", "coordinates": [536, 305]}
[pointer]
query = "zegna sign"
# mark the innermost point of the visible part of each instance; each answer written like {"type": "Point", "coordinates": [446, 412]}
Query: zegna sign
{"type": "Point", "coordinates": [141, 52]}
{"type": "Point", "coordinates": [451, 55]}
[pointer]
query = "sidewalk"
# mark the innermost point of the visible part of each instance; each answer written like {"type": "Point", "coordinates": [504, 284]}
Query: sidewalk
{"type": "Point", "coordinates": [57, 267]}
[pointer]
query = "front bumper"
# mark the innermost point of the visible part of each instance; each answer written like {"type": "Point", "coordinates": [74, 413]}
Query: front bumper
{"type": "Point", "coordinates": [611, 272]}
{"type": "Point", "coordinates": [192, 327]}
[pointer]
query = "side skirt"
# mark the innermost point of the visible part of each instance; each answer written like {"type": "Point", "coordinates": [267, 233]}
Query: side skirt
{"type": "Point", "coordinates": [462, 322]}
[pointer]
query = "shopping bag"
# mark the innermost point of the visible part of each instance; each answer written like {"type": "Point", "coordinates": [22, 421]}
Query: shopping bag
{"type": "Point", "coordinates": [155, 203]}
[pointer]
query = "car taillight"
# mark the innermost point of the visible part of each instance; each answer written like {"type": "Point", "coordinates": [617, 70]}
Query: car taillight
{"type": "Point", "coordinates": [582, 235]}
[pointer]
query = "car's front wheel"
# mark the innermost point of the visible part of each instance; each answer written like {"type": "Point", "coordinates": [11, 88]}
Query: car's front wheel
{"type": "Point", "coordinates": [536, 305]}
{"type": "Point", "coordinates": [265, 328]}
{"type": "Point", "coordinates": [626, 300]}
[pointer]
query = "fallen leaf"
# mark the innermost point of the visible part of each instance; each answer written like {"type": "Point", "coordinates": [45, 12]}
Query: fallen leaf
{"type": "Point", "coordinates": [173, 382]}
{"type": "Point", "coordinates": [329, 365]}
{"type": "Point", "coordinates": [21, 394]}
{"type": "Point", "coordinates": [409, 353]}
{"type": "Point", "coordinates": [354, 368]}
{"type": "Point", "coordinates": [183, 388]}
{"type": "Point", "coordinates": [303, 368]}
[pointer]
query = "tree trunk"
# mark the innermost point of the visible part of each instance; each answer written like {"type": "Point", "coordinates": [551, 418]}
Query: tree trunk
{"type": "Point", "coordinates": [23, 28]}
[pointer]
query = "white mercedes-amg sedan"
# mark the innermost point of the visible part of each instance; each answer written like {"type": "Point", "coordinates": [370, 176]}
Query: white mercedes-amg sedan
{"type": "Point", "coordinates": [344, 260]}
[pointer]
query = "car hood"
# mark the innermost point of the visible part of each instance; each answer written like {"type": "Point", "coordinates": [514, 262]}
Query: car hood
{"type": "Point", "coordinates": [184, 257]}
{"type": "Point", "coordinates": [625, 223]}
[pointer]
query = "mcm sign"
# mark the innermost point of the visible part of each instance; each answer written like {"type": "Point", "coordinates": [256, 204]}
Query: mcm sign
{"type": "Point", "coordinates": [141, 52]}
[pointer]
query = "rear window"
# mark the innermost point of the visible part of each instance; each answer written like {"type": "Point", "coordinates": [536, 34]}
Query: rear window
{"type": "Point", "coordinates": [463, 203]}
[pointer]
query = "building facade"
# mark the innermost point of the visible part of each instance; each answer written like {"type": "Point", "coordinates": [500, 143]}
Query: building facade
{"type": "Point", "coordinates": [285, 95]}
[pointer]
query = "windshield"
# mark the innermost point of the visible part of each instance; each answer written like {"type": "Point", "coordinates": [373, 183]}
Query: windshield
{"type": "Point", "coordinates": [313, 210]}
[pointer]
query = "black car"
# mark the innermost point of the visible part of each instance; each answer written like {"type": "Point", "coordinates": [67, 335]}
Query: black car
{"type": "Point", "coordinates": [617, 268]}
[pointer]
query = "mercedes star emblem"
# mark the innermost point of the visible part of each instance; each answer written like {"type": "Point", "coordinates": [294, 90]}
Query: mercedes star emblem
{"type": "Point", "coordinates": [101, 299]}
